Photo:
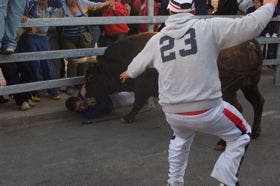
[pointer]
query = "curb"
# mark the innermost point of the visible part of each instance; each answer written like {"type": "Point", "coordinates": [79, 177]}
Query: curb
{"type": "Point", "coordinates": [12, 118]}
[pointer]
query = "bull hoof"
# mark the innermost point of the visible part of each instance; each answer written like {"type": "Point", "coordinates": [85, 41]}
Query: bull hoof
{"type": "Point", "coordinates": [126, 119]}
{"type": "Point", "coordinates": [220, 146]}
{"type": "Point", "coordinates": [255, 133]}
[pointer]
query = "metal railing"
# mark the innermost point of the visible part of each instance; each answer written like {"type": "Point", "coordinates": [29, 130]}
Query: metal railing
{"type": "Point", "coordinates": [56, 54]}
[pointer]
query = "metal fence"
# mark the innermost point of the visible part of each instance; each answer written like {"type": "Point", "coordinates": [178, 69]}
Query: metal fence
{"type": "Point", "coordinates": [57, 54]}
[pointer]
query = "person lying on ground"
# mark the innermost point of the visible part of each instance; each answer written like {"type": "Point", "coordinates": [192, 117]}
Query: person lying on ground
{"type": "Point", "coordinates": [101, 106]}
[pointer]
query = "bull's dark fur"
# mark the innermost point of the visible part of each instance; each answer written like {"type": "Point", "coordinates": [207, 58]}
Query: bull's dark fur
{"type": "Point", "coordinates": [104, 78]}
{"type": "Point", "coordinates": [239, 67]}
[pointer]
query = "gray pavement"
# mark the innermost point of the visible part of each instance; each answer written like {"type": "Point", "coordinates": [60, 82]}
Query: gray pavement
{"type": "Point", "coordinates": [12, 117]}
{"type": "Point", "coordinates": [51, 147]}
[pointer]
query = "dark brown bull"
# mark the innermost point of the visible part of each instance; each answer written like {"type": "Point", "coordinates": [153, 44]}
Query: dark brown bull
{"type": "Point", "coordinates": [104, 77]}
{"type": "Point", "coordinates": [239, 67]}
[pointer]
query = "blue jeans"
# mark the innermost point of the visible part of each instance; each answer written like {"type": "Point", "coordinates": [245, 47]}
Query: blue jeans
{"type": "Point", "coordinates": [34, 43]}
{"type": "Point", "coordinates": [102, 106]}
{"type": "Point", "coordinates": [8, 26]}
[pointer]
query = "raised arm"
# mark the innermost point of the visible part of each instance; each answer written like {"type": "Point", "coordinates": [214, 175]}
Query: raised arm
{"type": "Point", "coordinates": [229, 32]}
{"type": "Point", "coordinates": [88, 3]}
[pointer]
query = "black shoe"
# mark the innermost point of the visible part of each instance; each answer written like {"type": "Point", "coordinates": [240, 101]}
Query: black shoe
{"type": "Point", "coordinates": [3, 100]}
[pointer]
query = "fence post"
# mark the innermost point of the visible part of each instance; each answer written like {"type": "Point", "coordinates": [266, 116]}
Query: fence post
{"type": "Point", "coordinates": [277, 74]}
{"type": "Point", "coordinates": [277, 69]}
{"type": "Point", "coordinates": [150, 13]}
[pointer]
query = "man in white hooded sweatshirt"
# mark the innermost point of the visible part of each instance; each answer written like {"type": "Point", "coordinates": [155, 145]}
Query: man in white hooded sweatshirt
{"type": "Point", "coordinates": [185, 54]}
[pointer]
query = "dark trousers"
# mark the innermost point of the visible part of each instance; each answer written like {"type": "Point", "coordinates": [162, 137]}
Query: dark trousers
{"type": "Point", "coordinates": [16, 73]}
{"type": "Point", "coordinates": [74, 69]}
{"type": "Point", "coordinates": [201, 7]}
{"type": "Point", "coordinates": [102, 106]}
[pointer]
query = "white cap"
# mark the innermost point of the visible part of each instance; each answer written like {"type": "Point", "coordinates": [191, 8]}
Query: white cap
{"type": "Point", "coordinates": [179, 6]}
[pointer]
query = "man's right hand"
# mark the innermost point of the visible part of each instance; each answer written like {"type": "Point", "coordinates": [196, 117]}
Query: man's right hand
{"type": "Point", "coordinates": [124, 76]}
{"type": "Point", "coordinates": [270, 1]}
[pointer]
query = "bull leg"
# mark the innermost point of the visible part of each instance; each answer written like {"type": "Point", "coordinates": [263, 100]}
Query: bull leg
{"type": "Point", "coordinates": [233, 101]}
{"type": "Point", "coordinates": [140, 100]}
{"type": "Point", "coordinates": [221, 145]}
{"type": "Point", "coordinates": [253, 95]}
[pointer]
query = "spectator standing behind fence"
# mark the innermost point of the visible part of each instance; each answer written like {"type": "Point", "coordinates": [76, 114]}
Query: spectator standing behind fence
{"type": "Point", "coordinates": [113, 32]}
{"type": "Point", "coordinates": [73, 37]}
{"type": "Point", "coordinates": [102, 106]}
{"type": "Point", "coordinates": [10, 15]}
{"type": "Point", "coordinates": [128, 6]}
{"type": "Point", "coordinates": [141, 9]}
{"type": "Point", "coordinates": [15, 73]}
{"type": "Point", "coordinates": [271, 30]}
{"type": "Point", "coordinates": [226, 7]}
{"type": "Point", "coordinates": [35, 39]}
{"type": "Point", "coordinates": [201, 7]}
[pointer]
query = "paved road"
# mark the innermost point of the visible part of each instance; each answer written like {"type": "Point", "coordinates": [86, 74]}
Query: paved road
{"type": "Point", "coordinates": [110, 153]}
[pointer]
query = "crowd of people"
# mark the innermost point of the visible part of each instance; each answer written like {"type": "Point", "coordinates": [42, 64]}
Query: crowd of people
{"type": "Point", "coordinates": [35, 39]}
{"type": "Point", "coordinates": [271, 30]}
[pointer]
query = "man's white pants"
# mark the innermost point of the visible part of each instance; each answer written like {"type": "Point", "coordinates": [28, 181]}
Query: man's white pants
{"type": "Point", "coordinates": [224, 121]}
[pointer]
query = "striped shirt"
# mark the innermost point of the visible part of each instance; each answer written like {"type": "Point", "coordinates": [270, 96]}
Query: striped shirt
{"type": "Point", "coordinates": [74, 31]}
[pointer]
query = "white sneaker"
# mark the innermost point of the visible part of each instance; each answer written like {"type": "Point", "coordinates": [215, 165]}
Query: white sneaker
{"type": "Point", "coordinates": [274, 35]}
{"type": "Point", "coordinates": [176, 184]}
{"type": "Point", "coordinates": [25, 106]}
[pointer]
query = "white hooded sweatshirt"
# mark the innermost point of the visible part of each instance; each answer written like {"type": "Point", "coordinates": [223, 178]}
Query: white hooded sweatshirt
{"type": "Point", "coordinates": [185, 54]}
